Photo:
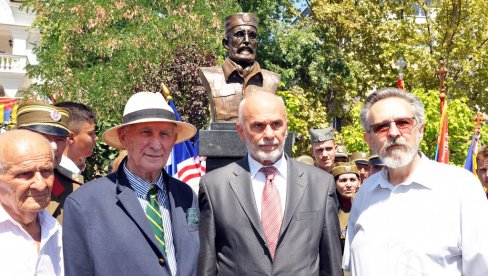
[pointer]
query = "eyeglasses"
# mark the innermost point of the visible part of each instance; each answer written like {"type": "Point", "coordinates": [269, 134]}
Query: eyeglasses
{"type": "Point", "coordinates": [403, 125]}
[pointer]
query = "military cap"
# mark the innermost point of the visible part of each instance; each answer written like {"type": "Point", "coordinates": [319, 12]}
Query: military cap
{"type": "Point", "coordinates": [344, 167]}
{"type": "Point", "coordinates": [240, 19]}
{"type": "Point", "coordinates": [341, 151]}
{"type": "Point", "coordinates": [43, 118]}
{"type": "Point", "coordinates": [305, 159]}
{"type": "Point", "coordinates": [376, 160]}
{"type": "Point", "coordinates": [321, 134]}
{"type": "Point", "coordinates": [360, 158]}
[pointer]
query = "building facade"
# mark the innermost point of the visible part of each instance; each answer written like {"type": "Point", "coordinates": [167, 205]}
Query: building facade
{"type": "Point", "coordinates": [17, 40]}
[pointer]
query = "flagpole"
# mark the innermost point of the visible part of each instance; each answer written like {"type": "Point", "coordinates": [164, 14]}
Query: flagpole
{"type": "Point", "coordinates": [165, 92]}
{"type": "Point", "coordinates": [401, 64]}
{"type": "Point", "coordinates": [442, 152]}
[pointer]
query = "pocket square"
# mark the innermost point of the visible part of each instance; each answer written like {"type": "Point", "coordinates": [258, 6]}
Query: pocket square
{"type": "Point", "coordinates": [192, 216]}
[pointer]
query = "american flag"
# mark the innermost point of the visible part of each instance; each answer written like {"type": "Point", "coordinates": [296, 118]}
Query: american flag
{"type": "Point", "coordinates": [184, 162]}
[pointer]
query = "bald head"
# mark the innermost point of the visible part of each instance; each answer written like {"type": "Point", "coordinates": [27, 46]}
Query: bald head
{"type": "Point", "coordinates": [26, 176]}
{"type": "Point", "coordinates": [262, 126]}
{"type": "Point", "coordinates": [20, 142]}
{"type": "Point", "coordinates": [260, 100]}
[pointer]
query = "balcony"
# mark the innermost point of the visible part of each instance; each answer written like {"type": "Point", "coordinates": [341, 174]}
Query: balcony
{"type": "Point", "coordinates": [12, 64]}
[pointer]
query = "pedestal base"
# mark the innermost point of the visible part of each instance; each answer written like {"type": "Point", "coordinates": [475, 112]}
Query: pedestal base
{"type": "Point", "coordinates": [222, 145]}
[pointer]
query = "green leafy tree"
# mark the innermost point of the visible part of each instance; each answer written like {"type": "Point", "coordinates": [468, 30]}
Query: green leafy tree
{"type": "Point", "coordinates": [373, 36]}
{"type": "Point", "coordinates": [101, 52]}
{"type": "Point", "coordinates": [303, 113]}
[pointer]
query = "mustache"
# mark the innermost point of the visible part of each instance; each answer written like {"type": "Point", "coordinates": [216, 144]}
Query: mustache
{"type": "Point", "coordinates": [400, 141]}
{"type": "Point", "coordinates": [270, 143]}
{"type": "Point", "coordinates": [247, 48]}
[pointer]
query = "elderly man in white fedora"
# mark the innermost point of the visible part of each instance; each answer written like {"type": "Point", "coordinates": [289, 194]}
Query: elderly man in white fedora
{"type": "Point", "coordinates": [137, 220]}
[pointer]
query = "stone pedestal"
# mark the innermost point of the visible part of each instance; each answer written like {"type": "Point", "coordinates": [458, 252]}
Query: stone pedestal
{"type": "Point", "coordinates": [221, 145]}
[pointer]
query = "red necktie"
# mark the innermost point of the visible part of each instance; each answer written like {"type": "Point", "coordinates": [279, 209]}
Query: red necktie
{"type": "Point", "coordinates": [271, 215]}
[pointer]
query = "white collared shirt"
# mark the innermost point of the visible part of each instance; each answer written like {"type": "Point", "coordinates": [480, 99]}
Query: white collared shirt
{"type": "Point", "coordinates": [258, 180]}
{"type": "Point", "coordinates": [435, 223]}
{"type": "Point", "coordinates": [18, 251]}
{"type": "Point", "coordinates": [68, 164]}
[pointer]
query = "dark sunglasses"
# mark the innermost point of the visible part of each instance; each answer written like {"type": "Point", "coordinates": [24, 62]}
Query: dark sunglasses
{"type": "Point", "coordinates": [403, 124]}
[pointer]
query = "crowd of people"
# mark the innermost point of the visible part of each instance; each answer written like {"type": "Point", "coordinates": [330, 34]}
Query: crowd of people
{"type": "Point", "coordinates": [394, 212]}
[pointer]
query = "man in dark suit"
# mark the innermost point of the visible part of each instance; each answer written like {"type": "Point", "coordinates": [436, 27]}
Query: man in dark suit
{"type": "Point", "coordinates": [268, 214]}
{"type": "Point", "coordinates": [138, 220]}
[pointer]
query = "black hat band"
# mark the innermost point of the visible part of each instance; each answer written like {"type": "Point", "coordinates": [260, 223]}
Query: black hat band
{"type": "Point", "coordinates": [150, 113]}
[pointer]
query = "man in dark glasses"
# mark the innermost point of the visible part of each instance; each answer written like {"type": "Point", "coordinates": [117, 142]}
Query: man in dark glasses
{"type": "Point", "coordinates": [416, 216]}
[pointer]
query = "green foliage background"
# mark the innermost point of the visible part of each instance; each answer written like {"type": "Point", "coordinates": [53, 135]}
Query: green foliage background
{"type": "Point", "coordinates": [100, 52]}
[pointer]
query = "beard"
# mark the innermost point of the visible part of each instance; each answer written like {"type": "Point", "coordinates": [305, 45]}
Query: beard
{"type": "Point", "coordinates": [401, 155]}
{"type": "Point", "coordinates": [263, 156]}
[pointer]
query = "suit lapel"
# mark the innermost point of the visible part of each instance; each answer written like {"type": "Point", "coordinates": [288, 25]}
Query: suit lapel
{"type": "Point", "coordinates": [241, 186]}
{"type": "Point", "coordinates": [295, 188]}
{"type": "Point", "coordinates": [130, 204]}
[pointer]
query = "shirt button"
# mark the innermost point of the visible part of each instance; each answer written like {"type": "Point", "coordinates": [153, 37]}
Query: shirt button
{"type": "Point", "coordinates": [161, 262]}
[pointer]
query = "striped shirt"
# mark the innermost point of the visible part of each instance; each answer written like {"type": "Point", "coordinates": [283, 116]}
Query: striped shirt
{"type": "Point", "coordinates": [141, 188]}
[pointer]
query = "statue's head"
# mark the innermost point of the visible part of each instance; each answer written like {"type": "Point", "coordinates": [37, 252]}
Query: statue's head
{"type": "Point", "coordinates": [241, 38]}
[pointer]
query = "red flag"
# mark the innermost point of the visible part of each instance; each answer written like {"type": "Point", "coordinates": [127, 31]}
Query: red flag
{"type": "Point", "coordinates": [442, 155]}
{"type": "Point", "coordinates": [400, 83]}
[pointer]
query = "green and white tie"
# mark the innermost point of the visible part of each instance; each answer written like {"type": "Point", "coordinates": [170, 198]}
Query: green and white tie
{"type": "Point", "coordinates": [153, 214]}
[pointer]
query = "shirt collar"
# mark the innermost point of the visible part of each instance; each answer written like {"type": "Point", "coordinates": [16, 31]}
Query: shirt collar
{"type": "Point", "coordinates": [229, 67]}
{"type": "Point", "coordinates": [141, 186]}
{"type": "Point", "coordinates": [67, 163]}
{"type": "Point", "coordinates": [46, 221]}
{"type": "Point", "coordinates": [421, 176]}
{"type": "Point", "coordinates": [255, 166]}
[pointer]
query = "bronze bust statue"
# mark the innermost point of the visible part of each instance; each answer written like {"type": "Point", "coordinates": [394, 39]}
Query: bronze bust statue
{"type": "Point", "coordinates": [240, 74]}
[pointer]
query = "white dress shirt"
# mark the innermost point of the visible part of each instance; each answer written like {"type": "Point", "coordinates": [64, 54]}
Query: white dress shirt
{"type": "Point", "coordinates": [68, 164]}
{"type": "Point", "coordinates": [259, 180]}
{"type": "Point", "coordinates": [18, 251]}
{"type": "Point", "coordinates": [435, 223]}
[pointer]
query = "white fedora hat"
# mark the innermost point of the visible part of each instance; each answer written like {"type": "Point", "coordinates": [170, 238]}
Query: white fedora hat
{"type": "Point", "coordinates": [146, 107]}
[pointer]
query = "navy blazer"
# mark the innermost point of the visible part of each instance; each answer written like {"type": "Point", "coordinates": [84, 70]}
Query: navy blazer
{"type": "Point", "coordinates": [106, 232]}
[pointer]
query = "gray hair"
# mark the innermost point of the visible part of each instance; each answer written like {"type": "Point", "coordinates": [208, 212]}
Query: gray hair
{"type": "Point", "coordinates": [391, 92]}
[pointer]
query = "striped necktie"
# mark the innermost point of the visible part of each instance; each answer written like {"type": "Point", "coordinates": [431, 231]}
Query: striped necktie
{"type": "Point", "coordinates": [271, 215]}
{"type": "Point", "coordinates": [153, 214]}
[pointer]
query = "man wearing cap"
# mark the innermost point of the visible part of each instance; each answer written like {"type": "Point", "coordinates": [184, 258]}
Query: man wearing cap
{"type": "Point", "coordinates": [137, 220]}
{"type": "Point", "coordinates": [240, 74]}
{"type": "Point", "coordinates": [341, 154]}
{"type": "Point", "coordinates": [375, 164]}
{"type": "Point", "coordinates": [361, 159]}
{"type": "Point", "coordinates": [323, 147]}
{"type": "Point", "coordinates": [267, 214]}
{"type": "Point", "coordinates": [52, 123]}
{"type": "Point", "coordinates": [30, 238]}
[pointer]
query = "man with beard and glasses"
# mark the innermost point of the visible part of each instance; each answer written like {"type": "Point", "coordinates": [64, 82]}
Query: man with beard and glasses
{"type": "Point", "coordinates": [240, 74]}
{"type": "Point", "coordinates": [415, 216]}
{"type": "Point", "coordinates": [267, 214]}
